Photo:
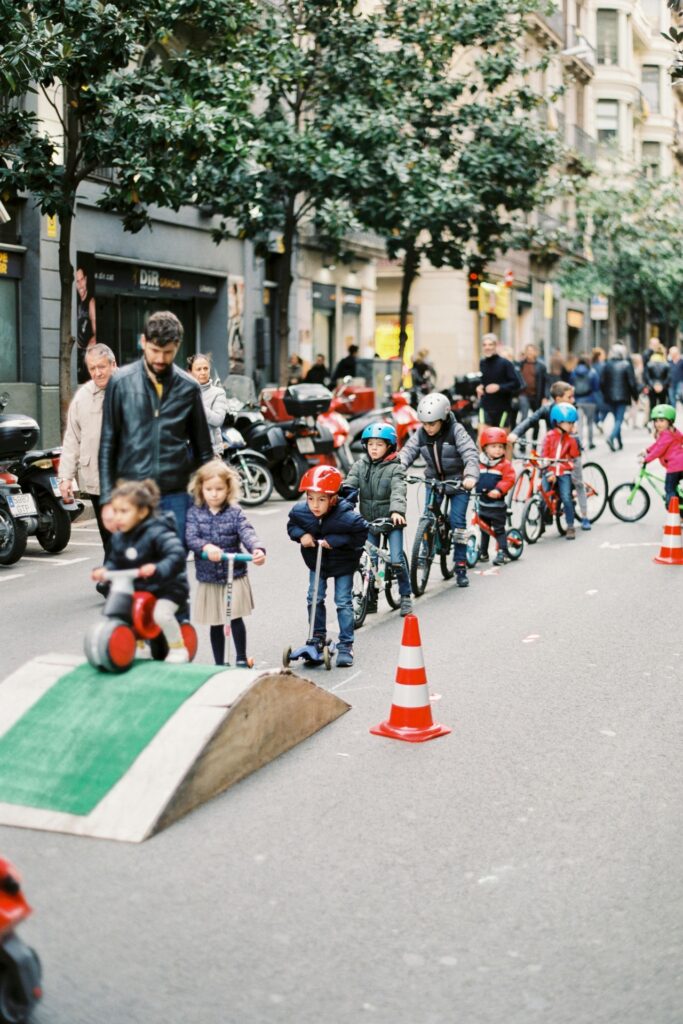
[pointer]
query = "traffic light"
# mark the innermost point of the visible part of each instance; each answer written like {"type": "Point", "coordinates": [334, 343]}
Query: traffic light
{"type": "Point", "coordinates": [475, 280]}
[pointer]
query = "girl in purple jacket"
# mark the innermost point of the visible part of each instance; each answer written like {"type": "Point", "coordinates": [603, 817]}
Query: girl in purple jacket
{"type": "Point", "coordinates": [216, 523]}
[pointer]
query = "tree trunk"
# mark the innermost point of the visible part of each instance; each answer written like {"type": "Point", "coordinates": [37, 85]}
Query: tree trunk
{"type": "Point", "coordinates": [66, 338]}
{"type": "Point", "coordinates": [284, 288]}
{"type": "Point", "coordinates": [410, 272]}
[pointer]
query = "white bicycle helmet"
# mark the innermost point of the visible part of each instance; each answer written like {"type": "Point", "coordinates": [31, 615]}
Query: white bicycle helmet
{"type": "Point", "coordinates": [433, 407]}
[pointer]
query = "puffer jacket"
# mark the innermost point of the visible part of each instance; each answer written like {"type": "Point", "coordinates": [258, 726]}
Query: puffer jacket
{"type": "Point", "coordinates": [216, 407]}
{"type": "Point", "coordinates": [344, 530]}
{"type": "Point", "coordinates": [381, 486]}
{"type": "Point", "coordinates": [563, 449]}
{"type": "Point", "coordinates": [450, 455]}
{"type": "Point", "coordinates": [668, 448]}
{"type": "Point", "coordinates": [618, 381]}
{"type": "Point", "coordinates": [229, 530]}
{"type": "Point", "coordinates": [155, 540]}
{"type": "Point", "coordinates": [146, 436]}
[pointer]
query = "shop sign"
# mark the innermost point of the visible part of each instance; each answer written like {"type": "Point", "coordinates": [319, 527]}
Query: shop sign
{"type": "Point", "coordinates": [10, 264]}
{"type": "Point", "coordinates": [324, 296]}
{"type": "Point", "coordinates": [599, 307]}
{"type": "Point", "coordinates": [351, 300]}
{"type": "Point", "coordinates": [119, 278]}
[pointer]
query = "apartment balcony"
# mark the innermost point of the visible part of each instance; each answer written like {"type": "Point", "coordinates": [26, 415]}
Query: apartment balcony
{"type": "Point", "coordinates": [549, 28]}
{"type": "Point", "coordinates": [582, 149]}
{"type": "Point", "coordinates": [580, 55]}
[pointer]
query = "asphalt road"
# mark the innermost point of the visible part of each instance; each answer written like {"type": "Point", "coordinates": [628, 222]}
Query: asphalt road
{"type": "Point", "coordinates": [524, 869]}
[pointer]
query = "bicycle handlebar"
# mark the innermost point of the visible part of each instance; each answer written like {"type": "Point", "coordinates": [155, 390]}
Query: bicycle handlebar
{"type": "Point", "coordinates": [445, 486]}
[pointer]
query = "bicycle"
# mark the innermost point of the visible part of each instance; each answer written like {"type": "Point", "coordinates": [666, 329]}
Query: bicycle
{"type": "Point", "coordinates": [545, 504]}
{"type": "Point", "coordinates": [433, 535]}
{"type": "Point", "coordinates": [630, 501]}
{"type": "Point", "coordinates": [513, 536]}
{"type": "Point", "coordinates": [376, 570]}
{"type": "Point", "coordinates": [528, 484]}
{"type": "Point", "coordinates": [527, 480]}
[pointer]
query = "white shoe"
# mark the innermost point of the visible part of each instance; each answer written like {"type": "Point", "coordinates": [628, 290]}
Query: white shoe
{"type": "Point", "coordinates": [177, 656]}
{"type": "Point", "coordinates": [142, 651]}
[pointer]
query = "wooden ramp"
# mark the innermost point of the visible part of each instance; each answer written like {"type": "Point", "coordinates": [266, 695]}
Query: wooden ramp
{"type": "Point", "coordinates": [123, 756]}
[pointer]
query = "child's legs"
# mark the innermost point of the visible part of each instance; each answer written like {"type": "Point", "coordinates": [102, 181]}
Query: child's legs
{"type": "Point", "coordinates": [164, 616]}
{"type": "Point", "coordinates": [577, 480]}
{"type": "Point", "coordinates": [239, 635]}
{"type": "Point", "coordinates": [458, 520]}
{"type": "Point", "coordinates": [564, 487]}
{"type": "Point", "coordinates": [496, 518]}
{"type": "Point", "coordinates": [319, 626]}
{"type": "Point", "coordinates": [671, 481]}
{"type": "Point", "coordinates": [396, 555]}
{"type": "Point", "coordinates": [217, 638]}
{"type": "Point", "coordinates": [343, 599]}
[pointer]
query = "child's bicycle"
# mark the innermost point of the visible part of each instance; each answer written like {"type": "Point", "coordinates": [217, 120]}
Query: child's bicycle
{"type": "Point", "coordinates": [433, 535]}
{"type": "Point", "coordinates": [630, 502]}
{"type": "Point", "coordinates": [545, 506]}
{"type": "Point", "coordinates": [514, 537]}
{"type": "Point", "coordinates": [528, 485]}
{"type": "Point", "coordinates": [376, 571]}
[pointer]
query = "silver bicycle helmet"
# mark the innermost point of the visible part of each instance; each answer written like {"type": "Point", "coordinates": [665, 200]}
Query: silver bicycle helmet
{"type": "Point", "coordinates": [433, 407]}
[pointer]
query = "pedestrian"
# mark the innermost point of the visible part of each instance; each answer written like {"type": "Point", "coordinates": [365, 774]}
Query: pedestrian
{"type": "Point", "coordinates": [321, 518]}
{"type": "Point", "coordinates": [346, 367]}
{"type": "Point", "coordinates": [295, 370]}
{"type": "Point", "coordinates": [422, 375]}
{"type": "Point", "coordinates": [499, 384]}
{"type": "Point", "coordinates": [147, 540]}
{"type": "Point", "coordinates": [213, 396]}
{"type": "Point", "coordinates": [496, 477]}
{"type": "Point", "coordinates": [81, 441]}
{"type": "Point", "coordinates": [619, 387]}
{"type": "Point", "coordinates": [381, 482]}
{"type": "Point", "coordinates": [153, 422]}
{"type": "Point", "coordinates": [557, 371]}
{"type": "Point", "coordinates": [598, 364]}
{"type": "Point", "coordinates": [675, 370]}
{"type": "Point", "coordinates": [86, 322]}
{"type": "Point", "coordinates": [449, 454]}
{"type": "Point", "coordinates": [668, 448]}
{"type": "Point", "coordinates": [216, 523]}
{"type": "Point", "coordinates": [534, 374]}
{"type": "Point", "coordinates": [656, 377]}
{"type": "Point", "coordinates": [562, 447]}
{"type": "Point", "coordinates": [318, 373]}
{"type": "Point", "coordinates": [586, 384]}
{"type": "Point", "coordinates": [677, 382]}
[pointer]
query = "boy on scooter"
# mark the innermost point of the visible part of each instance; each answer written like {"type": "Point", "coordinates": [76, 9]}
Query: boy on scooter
{"type": "Point", "coordinates": [323, 519]}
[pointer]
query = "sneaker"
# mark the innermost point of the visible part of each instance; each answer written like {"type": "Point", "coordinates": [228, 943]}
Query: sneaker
{"type": "Point", "coordinates": [611, 445]}
{"type": "Point", "coordinates": [344, 657]}
{"type": "Point", "coordinates": [177, 656]}
{"type": "Point", "coordinates": [585, 524]}
{"type": "Point", "coordinates": [461, 578]}
{"type": "Point", "coordinates": [242, 664]}
{"type": "Point", "coordinates": [406, 605]}
{"type": "Point", "coordinates": [571, 533]}
{"type": "Point", "coordinates": [502, 558]}
{"type": "Point", "coordinates": [483, 556]}
{"type": "Point", "coordinates": [142, 651]}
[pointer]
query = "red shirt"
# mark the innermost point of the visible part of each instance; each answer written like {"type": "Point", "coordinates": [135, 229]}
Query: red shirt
{"type": "Point", "coordinates": [563, 448]}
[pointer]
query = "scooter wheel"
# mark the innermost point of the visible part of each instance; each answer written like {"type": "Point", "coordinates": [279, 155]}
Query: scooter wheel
{"type": "Point", "coordinates": [286, 656]}
{"type": "Point", "coordinates": [189, 635]}
{"type": "Point", "coordinates": [327, 660]}
{"type": "Point", "coordinates": [110, 645]}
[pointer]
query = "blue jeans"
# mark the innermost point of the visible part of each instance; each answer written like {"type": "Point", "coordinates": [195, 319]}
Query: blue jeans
{"type": "Point", "coordinates": [618, 409]}
{"type": "Point", "coordinates": [396, 555]}
{"type": "Point", "coordinates": [343, 590]}
{"type": "Point", "coordinates": [564, 487]}
{"type": "Point", "coordinates": [177, 503]}
{"type": "Point", "coordinates": [457, 519]}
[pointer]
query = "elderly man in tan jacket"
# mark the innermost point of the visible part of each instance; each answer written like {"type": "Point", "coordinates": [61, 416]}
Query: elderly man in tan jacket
{"type": "Point", "coordinates": [81, 444]}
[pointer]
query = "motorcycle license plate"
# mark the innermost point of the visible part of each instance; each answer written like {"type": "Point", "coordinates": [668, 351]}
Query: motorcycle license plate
{"type": "Point", "coordinates": [305, 444]}
{"type": "Point", "coordinates": [21, 505]}
{"type": "Point", "coordinates": [54, 484]}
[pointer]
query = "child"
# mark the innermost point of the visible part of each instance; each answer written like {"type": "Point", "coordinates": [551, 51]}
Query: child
{"type": "Point", "coordinates": [496, 478]}
{"type": "Point", "coordinates": [450, 454]}
{"type": "Point", "coordinates": [381, 482]}
{"type": "Point", "coordinates": [562, 447]}
{"type": "Point", "coordinates": [149, 541]}
{"type": "Point", "coordinates": [668, 448]}
{"type": "Point", "coordinates": [341, 532]}
{"type": "Point", "coordinates": [216, 523]}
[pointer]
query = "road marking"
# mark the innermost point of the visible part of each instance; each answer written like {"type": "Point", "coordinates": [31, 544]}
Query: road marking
{"type": "Point", "coordinates": [642, 544]}
{"type": "Point", "coordinates": [14, 576]}
{"type": "Point", "coordinates": [85, 544]}
{"type": "Point", "coordinates": [345, 681]}
{"type": "Point", "coordinates": [46, 560]}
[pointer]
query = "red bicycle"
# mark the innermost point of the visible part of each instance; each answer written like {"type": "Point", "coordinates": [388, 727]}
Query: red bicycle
{"type": "Point", "coordinates": [514, 537]}
{"type": "Point", "coordinates": [544, 505]}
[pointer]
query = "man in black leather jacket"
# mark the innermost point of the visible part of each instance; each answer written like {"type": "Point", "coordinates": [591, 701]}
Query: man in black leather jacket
{"type": "Point", "coordinates": [618, 386]}
{"type": "Point", "coordinates": [154, 423]}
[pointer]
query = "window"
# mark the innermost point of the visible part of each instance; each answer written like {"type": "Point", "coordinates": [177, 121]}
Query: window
{"type": "Point", "coordinates": [651, 76]}
{"type": "Point", "coordinates": [608, 37]}
{"type": "Point", "coordinates": [651, 155]}
{"type": "Point", "coordinates": [607, 120]}
{"type": "Point", "coordinates": [9, 338]}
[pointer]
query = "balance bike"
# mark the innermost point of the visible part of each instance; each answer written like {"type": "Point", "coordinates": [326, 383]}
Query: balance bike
{"type": "Point", "coordinates": [128, 616]}
{"type": "Point", "coordinates": [314, 652]}
{"type": "Point", "coordinates": [20, 972]}
{"type": "Point", "coordinates": [230, 557]}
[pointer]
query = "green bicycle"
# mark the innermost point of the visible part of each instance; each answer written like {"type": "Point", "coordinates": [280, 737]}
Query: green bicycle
{"type": "Point", "coordinates": [630, 502]}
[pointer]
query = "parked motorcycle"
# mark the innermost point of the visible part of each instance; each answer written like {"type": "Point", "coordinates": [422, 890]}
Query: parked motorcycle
{"type": "Point", "coordinates": [358, 403]}
{"type": "Point", "coordinates": [20, 972]}
{"type": "Point", "coordinates": [309, 444]}
{"type": "Point", "coordinates": [263, 437]}
{"type": "Point", "coordinates": [463, 399]}
{"type": "Point", "coordinates": [256, 480]}
{"type": "Point", "coordinates": [46, 516]}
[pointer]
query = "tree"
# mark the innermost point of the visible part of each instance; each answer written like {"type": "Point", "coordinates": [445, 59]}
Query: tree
{"type": "Point", "coordinates": [132, 86]}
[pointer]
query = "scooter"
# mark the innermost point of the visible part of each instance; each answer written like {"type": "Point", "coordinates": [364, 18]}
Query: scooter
{"type": "Point", "coordinates": [230, 557]}
{"type": "Point", "coordinates": [20, 972]}
{"type": "Point", "coordinates": [314, 652]}
{"type": "Point", "coordinates": [128, 616]}
{"type": "Point", "coordinates": [256, 479]}
{"type": "Point", "coordinates": [338, 426]}
{"type": "Point", "coordinates": [463, 399]}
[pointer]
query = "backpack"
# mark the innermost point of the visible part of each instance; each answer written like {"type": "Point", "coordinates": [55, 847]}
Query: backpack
{"type": "Point", "coordinates": [582, 385]}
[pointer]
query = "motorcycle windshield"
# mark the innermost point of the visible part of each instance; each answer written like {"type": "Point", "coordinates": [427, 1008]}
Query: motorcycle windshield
{"type": "Point", "coordinates": [240, 387]}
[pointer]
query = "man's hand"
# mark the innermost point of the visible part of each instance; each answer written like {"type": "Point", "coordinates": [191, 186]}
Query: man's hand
{"type": "Point", "coordinates": [212, 552]}
{"type": "Point", "coordinates": [66, 489]}
{"type": "Point", "coordinates": [307, 541]}
{"type": "Point", "coordinates": [551, 478]}
{"type": "Point", "coordinates": [147, 570]}
{"type": "Point", "coordinates": [468, 483]}
{"type": "Point", "coordinates": [107, 513]}
{"type": "Point", "coordinates": [491, 389]}
{"type": "Point", "coordinates": [258, 556]}
{"type": "Point", "coordinates": [480, 390]}
{"type": "Point", "coordinates": [397, 519]}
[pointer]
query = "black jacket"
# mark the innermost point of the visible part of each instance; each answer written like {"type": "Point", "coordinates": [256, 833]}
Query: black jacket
{"type": "Point", "coordinates": [496, 369]}
{"type": "Point", "coordinates": [618, 381]}
{"type": "Point", "coordinates": [146, 436]}
{"type": "Point", "coordinates": [344, 530]}
{"type": "Point", "coordinates": [155, 540]}
{"type": "Point", "coordinates": [657, 371]}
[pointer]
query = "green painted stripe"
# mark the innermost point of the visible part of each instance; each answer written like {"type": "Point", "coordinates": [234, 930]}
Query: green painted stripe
{"type": "Point", "coordinates": [85, 732]}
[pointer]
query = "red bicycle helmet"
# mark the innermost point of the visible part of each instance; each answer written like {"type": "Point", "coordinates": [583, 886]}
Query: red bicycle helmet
{"type": "Point", "coordinates": [493, 435]}
{"type": "Point", "coordinates": [321, 480]}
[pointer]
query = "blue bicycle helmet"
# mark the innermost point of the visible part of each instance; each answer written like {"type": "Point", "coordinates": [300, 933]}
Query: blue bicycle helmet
{"type": "Point", "coordinates": [382, 432]}
{"type": "Point", "coordinates": [563, 412]}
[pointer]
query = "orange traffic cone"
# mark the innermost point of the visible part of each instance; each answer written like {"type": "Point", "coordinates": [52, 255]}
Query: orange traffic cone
{"type": "Point", "coordinates": [410, 717]}
{"type": "Point", "coordinates": [671, 551]}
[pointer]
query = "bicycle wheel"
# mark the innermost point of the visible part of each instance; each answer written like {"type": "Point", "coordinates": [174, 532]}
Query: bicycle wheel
{"type": "Point", "coordinates": [391, 584]}
{"type": "Point", "coordinates": [532, 520]}
{"type": "Point", "coordinates": [595, 481]}
{"type": "Point", "coordinates": [445, 551]}
{"type": "Point", "coordinates": [519, 495]}
{"type": "Point", "coordinates": [360, 592]}
{"type": "Point", "coordinates": [473, 550]}
{"type": "Point", "coordinates": [515, 543]}
{"type": "Point", "coordinates": [422, 556]}
{"type": "Point", "coordinates": [629, 502]}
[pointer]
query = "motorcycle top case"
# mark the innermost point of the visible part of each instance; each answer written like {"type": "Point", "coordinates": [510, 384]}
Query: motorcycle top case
{"type": "Point", "coordinates": [18, 434]}
{"type": "Point", "coordinates": [307, 399]}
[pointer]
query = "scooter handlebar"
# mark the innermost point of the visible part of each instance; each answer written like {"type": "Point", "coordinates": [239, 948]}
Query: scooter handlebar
{"type": "Point", "coordinates": [227, 556]}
